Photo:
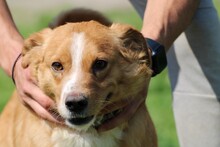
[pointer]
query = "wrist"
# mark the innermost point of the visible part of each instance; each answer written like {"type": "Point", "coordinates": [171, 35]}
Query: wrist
{"type": "Point", "coordinates": [13, 68]}
{"type": "Point", "coordinates": [154, 35]}
{"type": "Point", "coordinates": [158, 56]}
{"type": "Point", "coordinates": [8, 55]}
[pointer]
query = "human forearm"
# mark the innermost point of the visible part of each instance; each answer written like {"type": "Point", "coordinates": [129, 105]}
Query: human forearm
{"type": "Point", "coordinates": [165, 20]}
{"type": "Point", "coordinates": [11, 41]}
{"type": "Point", "coordinates": [11, 44]}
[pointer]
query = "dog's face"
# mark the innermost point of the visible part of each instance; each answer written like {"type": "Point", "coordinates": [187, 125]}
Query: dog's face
{"type": "Point", "coordinates": [85, 66]}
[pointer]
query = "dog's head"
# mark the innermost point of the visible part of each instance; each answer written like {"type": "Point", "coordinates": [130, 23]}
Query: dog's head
{"type": "Point", "coordinates": [85, 66]}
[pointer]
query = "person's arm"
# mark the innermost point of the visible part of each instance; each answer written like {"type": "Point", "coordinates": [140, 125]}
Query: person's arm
{"type": "Point", "coordinates": [11, 43]}
{"type": "Point", "coordinates": [165, 20]}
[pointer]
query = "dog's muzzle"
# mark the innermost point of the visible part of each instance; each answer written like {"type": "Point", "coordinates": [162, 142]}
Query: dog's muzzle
{"type": "Point", "coordinates": [116, 114]}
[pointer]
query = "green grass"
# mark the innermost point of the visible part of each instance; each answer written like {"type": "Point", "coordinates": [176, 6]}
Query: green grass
{"type": "Point", "coordinates": [159, 100]}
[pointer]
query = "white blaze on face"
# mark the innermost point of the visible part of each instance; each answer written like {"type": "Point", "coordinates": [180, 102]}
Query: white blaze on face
{"type": "Point", "coordinates": [77, 54]}
{"type": "Point", "coordinates": [76, 51]}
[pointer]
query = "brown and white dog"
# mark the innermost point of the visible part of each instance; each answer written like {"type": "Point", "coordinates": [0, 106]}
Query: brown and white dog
{"type": "Point", "coordinates": [86, 68]}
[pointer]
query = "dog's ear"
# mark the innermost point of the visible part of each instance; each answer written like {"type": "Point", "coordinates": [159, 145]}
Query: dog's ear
{"type": "Point", "coordinates": [32, 49]}
{"type": "Point", "coordinates": [134, 47]}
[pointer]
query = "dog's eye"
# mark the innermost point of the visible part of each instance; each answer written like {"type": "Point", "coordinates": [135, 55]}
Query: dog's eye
{"type": "Point", "coordinates": [99, 65]}
{"type": "Point", "coordinates": [57, 66]}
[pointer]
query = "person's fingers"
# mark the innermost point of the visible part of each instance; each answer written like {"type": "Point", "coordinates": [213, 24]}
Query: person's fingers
{"type": "Point", "coordinates": [40, 111]}
{"type": "Point", "coordinates": [39, 102]}
{"type": "Point", "coordinates": [26, 85]}
{"type": "Point", "coordinates": [30, 90]}
{"type": "Point", "coordinates": [32, 96]}
{"type": "Point", "coordinates": [35, 93]}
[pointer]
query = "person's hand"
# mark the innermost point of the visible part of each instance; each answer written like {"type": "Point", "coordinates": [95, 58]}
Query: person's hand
{"type": "Point", "coordinates": [31, 95]}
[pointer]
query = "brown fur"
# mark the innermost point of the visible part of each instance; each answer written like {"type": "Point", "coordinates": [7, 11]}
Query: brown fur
{"type": "Point", "coordinates": [127, 74]}
{"type": "Point", "coordinates": [79, 15]}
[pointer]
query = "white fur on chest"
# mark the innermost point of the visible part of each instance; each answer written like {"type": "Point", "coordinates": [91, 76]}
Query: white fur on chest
{"type": "Point", "coordinates": [66, 138]}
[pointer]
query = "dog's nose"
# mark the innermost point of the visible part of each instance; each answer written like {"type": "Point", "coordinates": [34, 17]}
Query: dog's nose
{"type": "Point", "coordinates": [76, 104]}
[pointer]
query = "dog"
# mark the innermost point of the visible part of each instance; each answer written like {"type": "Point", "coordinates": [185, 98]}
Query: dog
{"type": "Point", "coordinates": [86, 67]}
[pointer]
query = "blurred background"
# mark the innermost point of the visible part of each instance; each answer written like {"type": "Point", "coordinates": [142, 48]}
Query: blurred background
{"type": "Point", "coordinates": [32, 16]}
